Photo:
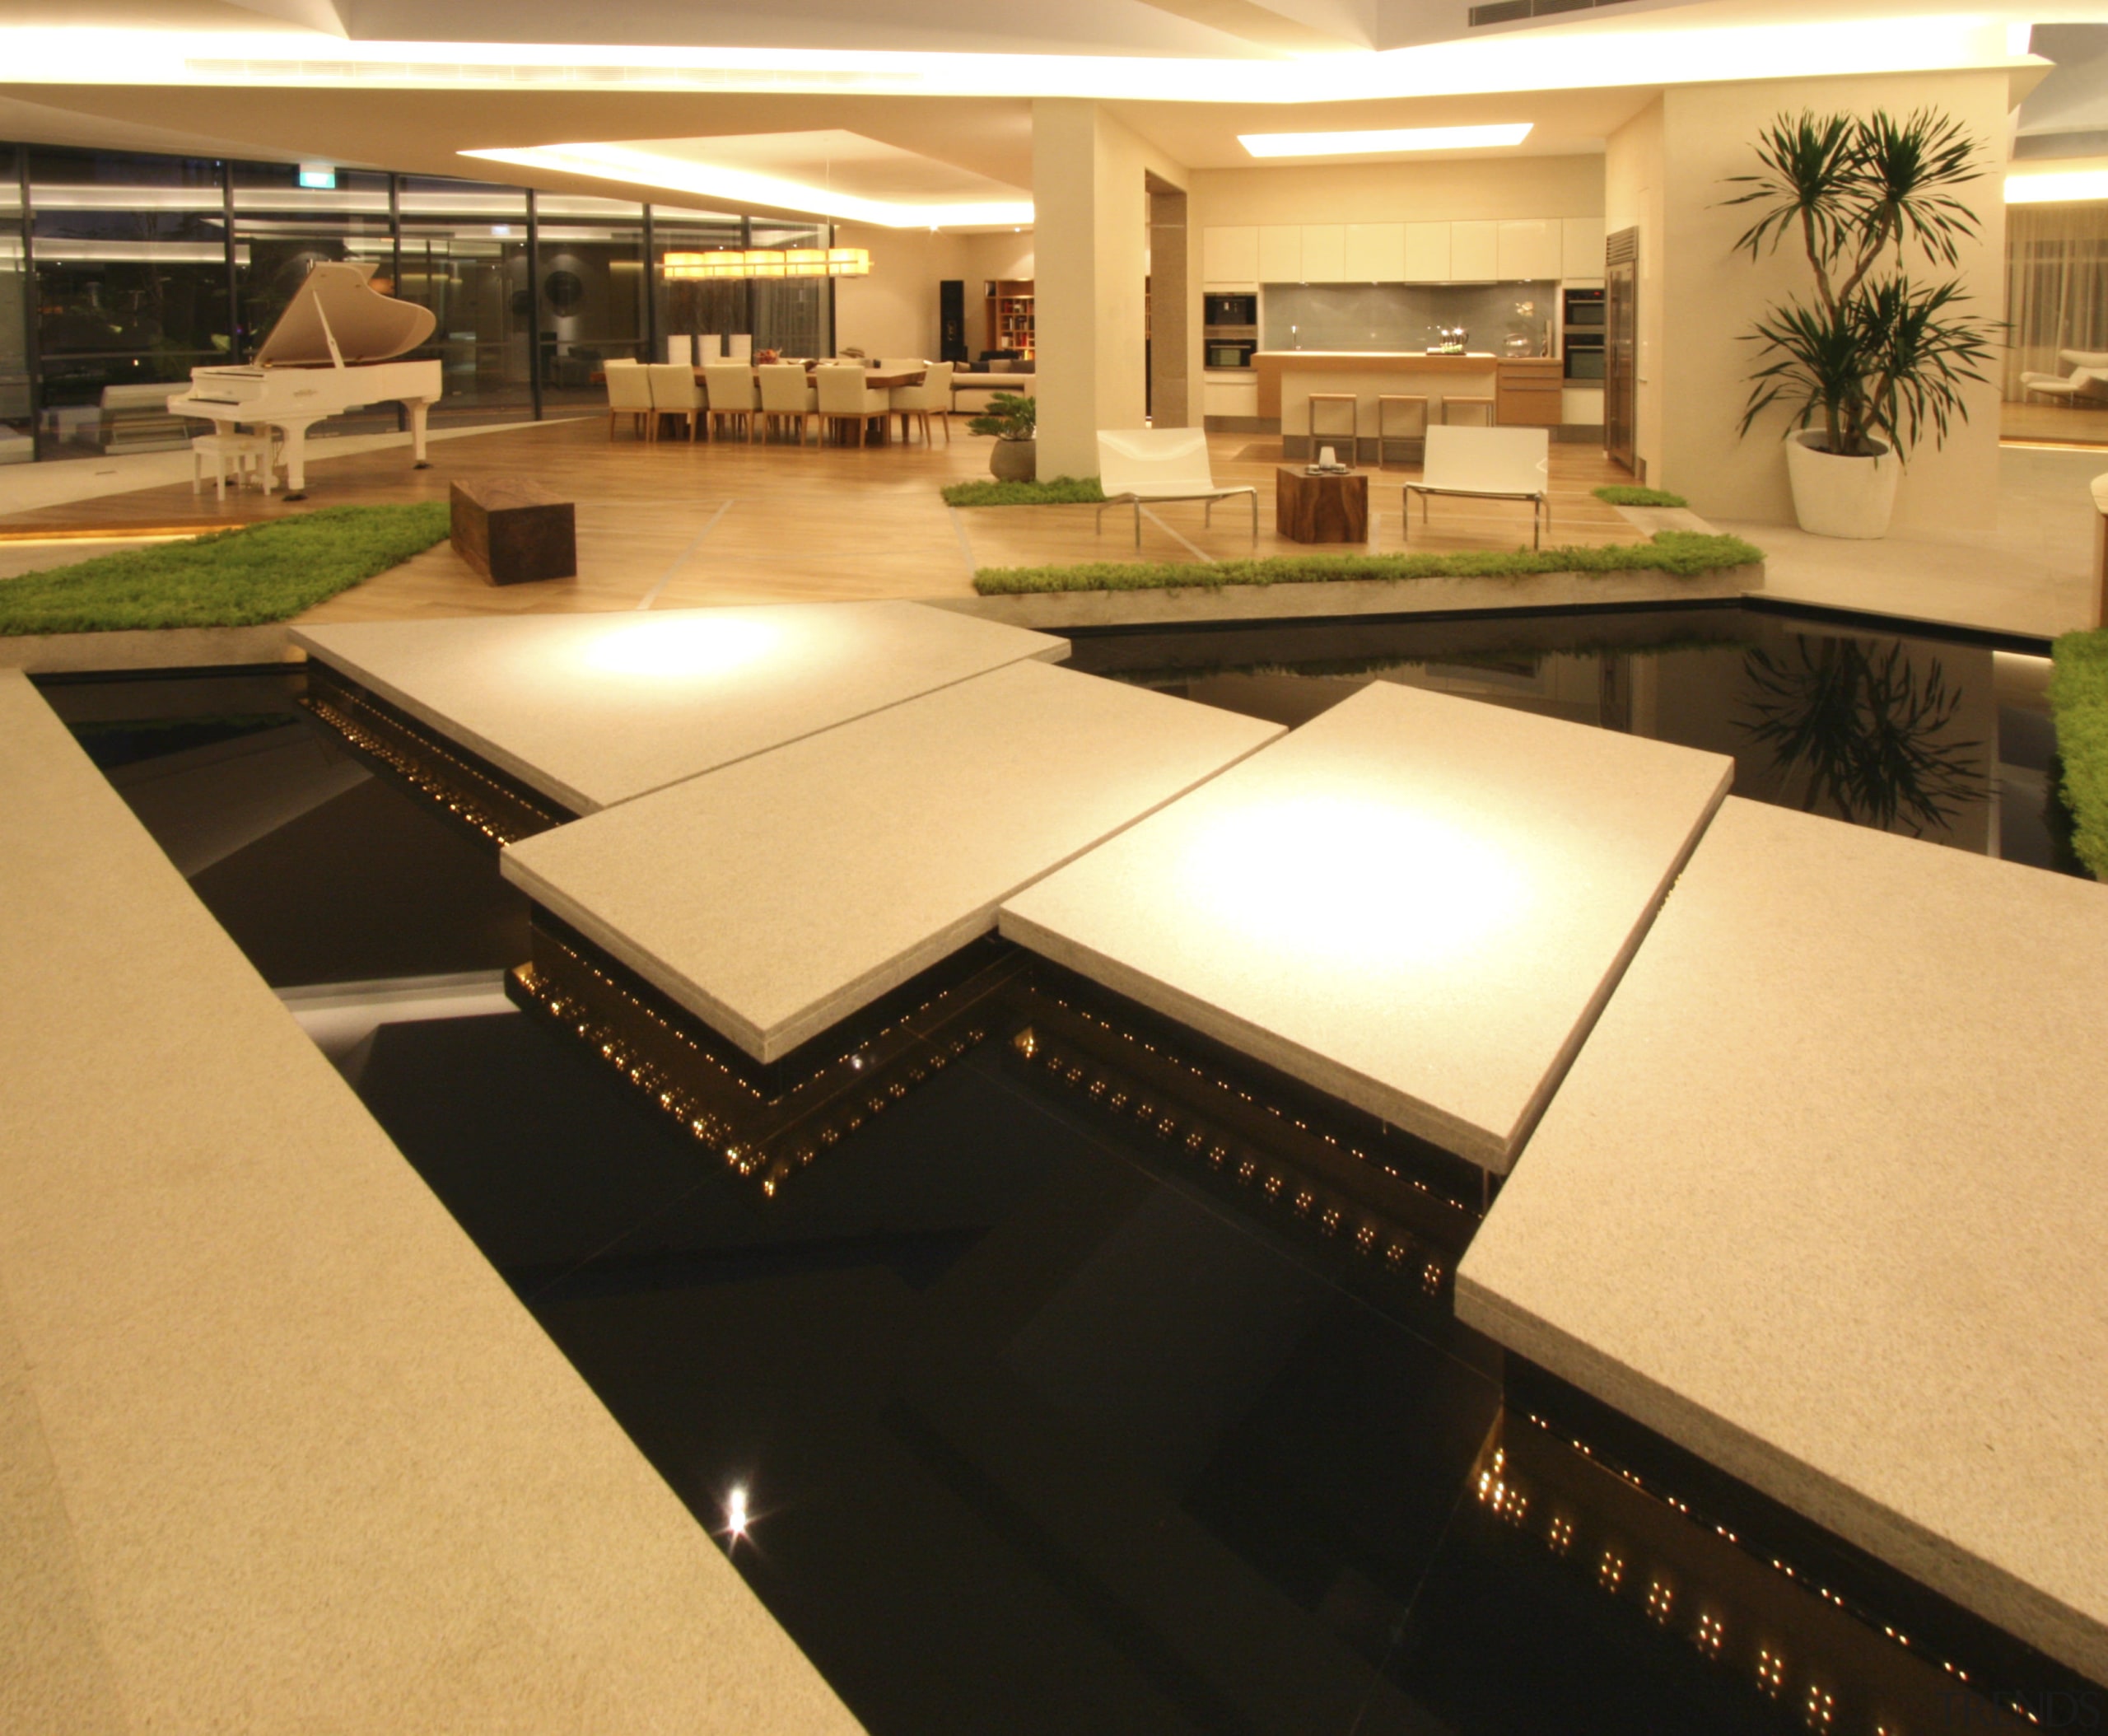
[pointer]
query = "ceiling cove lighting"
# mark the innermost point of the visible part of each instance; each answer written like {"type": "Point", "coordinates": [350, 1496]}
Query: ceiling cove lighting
{"type": "Point", "coordinates": [651, 169]}
{"type": "Point", "coordinates": [2056, 189]}
{"type": "Point", "coordinates": [1395, 138]}
{"type": "Point", "coordinates": [1550, 57]}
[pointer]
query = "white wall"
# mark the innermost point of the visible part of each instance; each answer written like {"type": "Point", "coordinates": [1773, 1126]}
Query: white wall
{"type": "Point", "coordinates": [894, 311]}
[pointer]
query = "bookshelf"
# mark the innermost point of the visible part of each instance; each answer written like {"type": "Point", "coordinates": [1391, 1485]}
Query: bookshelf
{"type": "Point", "coordinates": [1010, 315]}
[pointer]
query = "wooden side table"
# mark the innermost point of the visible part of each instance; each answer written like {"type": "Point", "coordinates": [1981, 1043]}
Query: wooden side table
{"type": "Point", "coordinates": [1320, 509]}
{"type": "Point", "coordinates": [514, 532]}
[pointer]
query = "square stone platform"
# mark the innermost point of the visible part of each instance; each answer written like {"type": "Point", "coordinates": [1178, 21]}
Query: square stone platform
{"type": "Point", "coordinates": [1415, 903]}
{"type": "Point", "coordinates": [1825, 1200]}
{"type": "Point", "coordinates": [774, 898]}
{"type": "Point", "coordinates": [595, 709]}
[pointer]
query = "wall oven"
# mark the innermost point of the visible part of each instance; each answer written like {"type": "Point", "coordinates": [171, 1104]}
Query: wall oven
{"type": "Point", "coordinates": [1229, 310]}
{"type": "Point", "coordinates": [1230, 352]}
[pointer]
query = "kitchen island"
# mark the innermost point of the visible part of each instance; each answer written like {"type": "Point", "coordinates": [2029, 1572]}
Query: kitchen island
{"type": "Point", "coordinates": [1288, 377]}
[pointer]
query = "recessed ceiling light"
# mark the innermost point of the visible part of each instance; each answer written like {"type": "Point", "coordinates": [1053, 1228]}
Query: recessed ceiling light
{"type": "Point", "coordinates": [1369, 144]}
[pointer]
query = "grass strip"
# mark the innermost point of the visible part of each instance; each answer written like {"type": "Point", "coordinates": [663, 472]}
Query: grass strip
{"type": "Point", "coordinates": [1679, 553]}
{"type": "Point", "coordinates": [245, 577]}
{"type": "Point", "coordinates": [1629, 494]}
{"type": "Point", "coordinates": [2078, 700]}
{"type": "Point", "coordinates": [1060, 491]}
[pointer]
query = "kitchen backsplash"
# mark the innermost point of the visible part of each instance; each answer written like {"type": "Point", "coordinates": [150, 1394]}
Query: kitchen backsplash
{"type": "Point", "coordinates": [1403, 316]}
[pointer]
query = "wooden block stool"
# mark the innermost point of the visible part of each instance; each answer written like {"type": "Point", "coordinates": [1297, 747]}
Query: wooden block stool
{"type": "Point", "coordinates": [1485, 405]}
{"type": "Point", "coordinates": [514, 532]}
{"type": "Point", "coordinates": [1333, 400]}
{"type": "Point", "coordinates": [1413, 407]}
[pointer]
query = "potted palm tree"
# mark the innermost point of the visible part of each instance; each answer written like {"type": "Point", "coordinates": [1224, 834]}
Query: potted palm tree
{"type": "Point", "coordinates": [1874, 361]}
{"type": "Point", "coordinates": [1013, 420]}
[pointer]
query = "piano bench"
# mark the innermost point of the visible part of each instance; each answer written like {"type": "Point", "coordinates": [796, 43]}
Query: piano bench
{"type": "Point", "coordinates": [514, 532]}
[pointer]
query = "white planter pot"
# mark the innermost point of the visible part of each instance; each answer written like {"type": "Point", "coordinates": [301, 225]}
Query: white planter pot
{"type": "Point", "coordinates": [1840, 497]}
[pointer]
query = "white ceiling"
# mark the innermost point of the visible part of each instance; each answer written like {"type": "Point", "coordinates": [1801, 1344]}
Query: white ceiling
{"type": "Point", "coordinates": [884, 98]}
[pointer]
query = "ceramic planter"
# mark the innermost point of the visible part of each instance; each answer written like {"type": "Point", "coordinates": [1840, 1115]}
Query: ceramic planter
{"type": "Point", "coordinates": [1014, 461]}
{"type": "Point", "coordinates": [1840, 497]}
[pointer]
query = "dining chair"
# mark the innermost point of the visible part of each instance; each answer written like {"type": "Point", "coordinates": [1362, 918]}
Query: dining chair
{"type": "Point", "coordinates": [675, 391]}
{"type": "Point", "coordinates": [629, 394]}
{"type": "Point", "coordinates": [733, 398]}
{"type": "Point", "coordinates": [845, 401]}
{"type": "Point", "coordinates": [787, 395]}
{"type": "Point", "coordinates": [932, 398]}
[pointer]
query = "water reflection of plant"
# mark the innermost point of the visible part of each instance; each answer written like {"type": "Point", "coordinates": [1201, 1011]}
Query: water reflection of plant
{"type": "Point", "coordinates": [1867, 728]}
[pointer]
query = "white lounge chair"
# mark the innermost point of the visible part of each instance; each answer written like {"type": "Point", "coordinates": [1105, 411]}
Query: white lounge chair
{"type": "Point", "coordinates": [1487, 464]}
{"type": "Point", "coordinates": [1139, 465]}
{"type": "Point", "coordinates": [2083, 382]}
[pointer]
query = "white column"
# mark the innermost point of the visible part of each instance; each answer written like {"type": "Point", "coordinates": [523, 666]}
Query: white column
{"type": "Point", "coordinates": [1090, 223]}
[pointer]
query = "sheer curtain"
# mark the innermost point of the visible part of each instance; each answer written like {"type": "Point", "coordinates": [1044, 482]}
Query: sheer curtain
{"type": "Point", "coordinates": [2056, 286]}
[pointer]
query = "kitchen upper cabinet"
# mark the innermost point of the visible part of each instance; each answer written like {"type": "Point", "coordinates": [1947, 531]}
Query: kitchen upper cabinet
{"type": "Point", "coordinates": [1280, 253]}
{"type": "Point", "coordinates": [1581, 247]}
{"type": "Point", "coordinates": [1427, 253]}
{"type": "Point", "coordinates": [1474, 252]}
{"type": "Point", "coordinates": [1528, 248]}
{"type": "Point", "coordinates": [1230, 257]}
{"type": "Point", "coordinates": [1324, 252]}
{"type": "Point", "coordinates": [1375, 253]}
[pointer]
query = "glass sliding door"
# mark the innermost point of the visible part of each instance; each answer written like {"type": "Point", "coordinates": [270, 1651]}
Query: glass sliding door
{"type": "Point", "coordinates": [283, 230]}
{"type": "Point", "coordinates": [132, 265]}
{"type": "Point", "coordinates": [16, 444]}
{"type": "Point", "coordinates": [464, 253]}
{"type": "Point", "coordinates": [594, 302]}
{"type": "Point", "coordinates": [2057, 315]}
{"type": "Point", "coordinates": [790, 314]}
{"type": "Point", "coordinates": [707, 309]}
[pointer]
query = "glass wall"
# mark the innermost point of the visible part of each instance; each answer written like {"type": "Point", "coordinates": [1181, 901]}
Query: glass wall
{"type": "Point", "coordinates": [17, 441]}
{"type": "Point", "coordinates": [790, 314]}
{"type": "Point", "coordinates": [132, 291]}
{"type": "Point", "coordinates": [463, 251]}
{"type": "Point", "coordinates": [590, 276]}
{"type": "Point", "coordinates": [282, 228]}
{"type": "Point", "coordinates": [123, 272]}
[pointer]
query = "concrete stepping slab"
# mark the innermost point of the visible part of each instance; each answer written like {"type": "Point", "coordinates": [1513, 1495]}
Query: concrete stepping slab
{"type": "Point", "coordinates": [775, 897]}
{"type": "Point", "coordinates": [1823, 1200]}
{"type": "Point", "coordinates": [1415, 903]}
{"type": "Point", "coordinates": [594, 709]}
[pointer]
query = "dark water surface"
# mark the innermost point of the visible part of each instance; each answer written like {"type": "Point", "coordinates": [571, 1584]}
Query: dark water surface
{"type": "Point", "coordinates": [1042, 1426]}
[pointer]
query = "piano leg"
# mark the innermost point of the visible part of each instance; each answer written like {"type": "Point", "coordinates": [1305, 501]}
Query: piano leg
{"type": "Point", "coordinates": [295, 453]}
{"type": "Point", "coordinates": [417, 407]}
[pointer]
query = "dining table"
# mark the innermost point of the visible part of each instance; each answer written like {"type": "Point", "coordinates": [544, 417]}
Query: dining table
{"type": "Point", "coordinates": [873, 379]}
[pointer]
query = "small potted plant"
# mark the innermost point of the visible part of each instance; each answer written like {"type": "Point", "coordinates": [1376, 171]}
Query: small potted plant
{"type": "Point", "coordinates": [1013, 420]}
{"type": "Point", "coordinates": [1874, 362]}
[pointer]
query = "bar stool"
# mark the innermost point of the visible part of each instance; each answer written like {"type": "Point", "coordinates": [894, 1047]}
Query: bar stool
{"type": "Point", "coordinates": [1354, 420]}
{"type": "Point", "coordinates": [1449, 404]}
{"type": "Point", "coordinates": [1415, 410]}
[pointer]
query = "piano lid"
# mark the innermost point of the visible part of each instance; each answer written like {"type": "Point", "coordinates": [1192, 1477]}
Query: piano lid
{"type": "Point", "coordinates": [335, 301]}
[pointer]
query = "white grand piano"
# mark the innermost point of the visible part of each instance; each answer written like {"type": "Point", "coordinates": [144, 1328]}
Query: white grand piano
{"type": "Point", "coordinates": [330, 351]}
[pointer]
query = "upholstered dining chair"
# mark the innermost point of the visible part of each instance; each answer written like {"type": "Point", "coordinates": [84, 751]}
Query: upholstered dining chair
{"type": "Point", "coordinates": [675, 391]}
{"type": "Point", "coordinates": [845, 401]}
{"type": "Point", "coordinates": [932, 398]}
{"type": "Point", "coordinates": [733, 398]}
{"type": "Point", "coordinates": [787, 395]}
{"type": "Point", "coordinates": [629, 394]}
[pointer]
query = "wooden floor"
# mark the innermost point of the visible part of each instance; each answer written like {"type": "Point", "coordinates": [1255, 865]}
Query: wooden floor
{"type": "Point", "coordinates": [672, 525]}
{"type": "Point", "coordinates": [2079, 425]}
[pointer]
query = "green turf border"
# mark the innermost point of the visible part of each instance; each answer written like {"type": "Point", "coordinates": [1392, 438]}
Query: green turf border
{"type": "Point", "coordinates": [1059, 491]}
{"type": "Point", "coordinates": [246, 577]}
{"type": "Point", "coordinates": [1630, 494]}
{"type": "Point", "coordinates": [2078, 701]}
{"type": "Point", "coordinates": [1677, 553]}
